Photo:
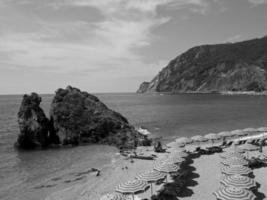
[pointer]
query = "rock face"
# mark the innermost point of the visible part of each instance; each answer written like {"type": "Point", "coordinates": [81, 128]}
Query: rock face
{"type": "Point", "coordinates": [79, 117]}
{"type": "Point", "coordinates": [75, 117]}
{"type": "Point", "coordinates": [238, 66]}
{"type": "Point", "coordinates": [33, 124]}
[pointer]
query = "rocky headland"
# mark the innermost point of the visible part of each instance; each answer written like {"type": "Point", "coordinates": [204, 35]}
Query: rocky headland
{"type": "Point", "coordinates": [76, 117]}
{"type": "Point", "coordinates": [230, 67]}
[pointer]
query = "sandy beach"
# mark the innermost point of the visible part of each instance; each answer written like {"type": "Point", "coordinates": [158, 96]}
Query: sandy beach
{"type": "Point", "coordinates": [204, 178]}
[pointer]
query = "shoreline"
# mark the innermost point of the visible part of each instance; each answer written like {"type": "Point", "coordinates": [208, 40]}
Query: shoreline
{"type": "Point", "coordinates": [230, 93]}
{"type": "Point", "coordinates": [94, 187]}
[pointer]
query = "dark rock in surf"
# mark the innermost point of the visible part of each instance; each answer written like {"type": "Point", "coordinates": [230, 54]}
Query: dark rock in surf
{"type": "Point", "coordinates": [33, 124]}
{"type": "Point", "coordinates": [79, 117]}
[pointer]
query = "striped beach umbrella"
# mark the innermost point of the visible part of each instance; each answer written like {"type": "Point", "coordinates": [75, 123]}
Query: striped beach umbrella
{"type": "Point", "coordinates": [235, 149]}
{"type": "Point", "coordinates": [165, 166]}
{"type": "Point", "coordinates": [250, 130]}
{"type": "Point", "coordinates": [176, 145]}
{"type": "Point", "coordinates": [181, 154]}
{"type": "Point", "coordinates": [262, 129]}
{"type": "Point", "coordinates": [235, 161]}
{"type": "Point", "coordinates": [184, 140]}
{"type": "Point", "coordinates": [238, 133]}
{"type": "Point", "coordinates": [238, 181]}
{"type": "Point", "coordinates": [250, 141]}
{"type": "Point", "coordinates": [233, 193]}
{"type": "Point", "coordinates": [151, 177]}
{"type": "Point", "coordinates": [236, 169]}
{"type": "Point", "coordinates": [132, 187]}
{"type": "Point", "coordinates": [176, 159]}
{"type": "Point", "coordinates": [212, 136]}
{"type": "Point", "coordinates": [232, 154]}
{"type": "Point", "coordinates": [113, 196]}
{"type": "Point", "coordinates": [225, 134]}
{"type": "Point", "coordinates": [199, 138]}
{"type": "Point", "coordinates": [249, 147]}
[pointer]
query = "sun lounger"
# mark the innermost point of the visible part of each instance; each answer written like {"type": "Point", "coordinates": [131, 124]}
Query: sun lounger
{"type": "Point", "coordinates": [215, 149]}
{"type": "Point", "coordinates": [252, 141]}
{"type": "Point", "coordinates": [228, 144]}
{"type": "Point", "coordinates": [257, 162]}
{"type": "Point", "coordinates": [224, 143]}
{"type": "Point", "coordinates": [201, 151]}
{"type": "Point", "coordinates": [239, 142]}
{"type": "Point", "coordinates": [257, 142]}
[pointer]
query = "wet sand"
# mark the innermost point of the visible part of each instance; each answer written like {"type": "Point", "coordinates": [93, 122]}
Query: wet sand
{"type": "Point", "coordinates": [122, 170]}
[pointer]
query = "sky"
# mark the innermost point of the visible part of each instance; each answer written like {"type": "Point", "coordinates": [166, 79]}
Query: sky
{"type": "Point", "coordinates": [111, 45]}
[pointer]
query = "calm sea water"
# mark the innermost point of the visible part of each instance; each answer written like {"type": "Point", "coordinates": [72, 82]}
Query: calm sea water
{"type": "Point", "coordinates": [163, 115]}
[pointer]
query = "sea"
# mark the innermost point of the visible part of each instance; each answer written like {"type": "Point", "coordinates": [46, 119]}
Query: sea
{"type": "Point", "coordinates": [23, 174]}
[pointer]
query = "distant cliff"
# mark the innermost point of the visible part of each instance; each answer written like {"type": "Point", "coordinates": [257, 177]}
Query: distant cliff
{"type": "Point", "coordinates": [240, 66]}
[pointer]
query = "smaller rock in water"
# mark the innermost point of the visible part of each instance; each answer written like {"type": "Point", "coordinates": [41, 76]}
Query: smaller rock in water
{"type": "Point", "coordinates": [33, 124]}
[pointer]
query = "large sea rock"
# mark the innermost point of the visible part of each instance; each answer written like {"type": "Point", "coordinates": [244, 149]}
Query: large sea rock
{"type": "Point", "coordinates": [33, 124]}
{"type": "Point", "coordinates": [240, 66]}
{"type": "Point", "coordinates": [79, 117]}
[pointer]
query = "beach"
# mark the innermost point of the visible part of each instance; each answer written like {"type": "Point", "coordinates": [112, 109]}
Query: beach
{"type": "Point", "coordinates": [34, 175]}
{"type": "Point", "coordinates": [204, 178]}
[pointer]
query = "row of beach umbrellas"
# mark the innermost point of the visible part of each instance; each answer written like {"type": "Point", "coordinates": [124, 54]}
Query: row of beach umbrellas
{"type": "Point", "coordinates": [221, 135]}
{"type": "Point", "coordinates": [145, 180]}
{"type": "Point", "coordinates": [234, 167]}
{"type": "Point", "coordinates": [236, 183]}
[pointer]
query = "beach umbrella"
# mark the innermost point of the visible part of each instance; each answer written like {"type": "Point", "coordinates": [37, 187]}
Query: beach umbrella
{"type": "Point", "coordinates": [235, 149]}
{"type": "Point", "coordinates": [236, 169]}
{"type": "Point", "coordinates": [176, 159]}
{"type": "Point", "coordinates": [199, 138]}
{"type": "Point", "coordinates": [166, 167]}
{"type": "Point", "coordinates": [151, 177]}
{"type": "Point", "coordinates": [113, 196]}
{"type": "Point", "coordinates": [176, 145]}
{"type": "Point", "coordinates": [262, 129]}
{"type": "Point", "coordinates": [231, 154]}
{"type": "Point", "coordinates": [184, 140]}
{"type": "Point", "coordinates": [212, 136]}
{"type": "Point", "coordinates": [132, 187]}
{"type": "Point", "coordinates": [225, 134]}
{"type": "Point", "coordinates": [238, 133]}
{"type": "Point", "coordinates": [233, 193]}
{"type": "Point", "coordinates": [238, 181]}
{"type": "Point", "coordinates": [250, 141]}
{"type": "Point", "coordinates": [181, 154]}
{"type": "Point", "coordinates": [235, 161]}
{"type": "Point", "coordinates": [250, 130]}
{"type": "Point", "coordinates": [249, 147]}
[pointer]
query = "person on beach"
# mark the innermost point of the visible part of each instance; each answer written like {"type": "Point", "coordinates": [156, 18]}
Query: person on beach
{"type": "Point", "coordinates": [158, 147]}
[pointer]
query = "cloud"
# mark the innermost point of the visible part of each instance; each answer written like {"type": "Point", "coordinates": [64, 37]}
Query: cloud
{"type": "Point", "coordinates": [196, 6]}
{"type": "Point", "coordinates": [104, 50]}
{"type": "Point", "coordinates": [78, 44]}
{"type": "Point", "coordinates": [257, 2]}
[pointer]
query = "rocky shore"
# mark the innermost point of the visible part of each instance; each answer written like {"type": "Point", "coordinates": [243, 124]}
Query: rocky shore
{"type": "Point", "coordinates": [236, 67]}
{"type": "Point", "coordinates": [76, 117]}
